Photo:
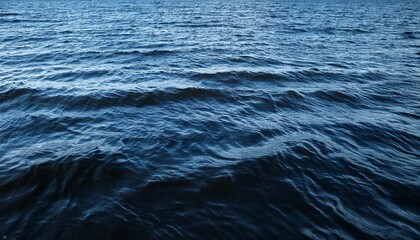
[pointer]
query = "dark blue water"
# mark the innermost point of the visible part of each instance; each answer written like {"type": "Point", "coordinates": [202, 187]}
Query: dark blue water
{"type": "Point", "coordinates": [209, 119]}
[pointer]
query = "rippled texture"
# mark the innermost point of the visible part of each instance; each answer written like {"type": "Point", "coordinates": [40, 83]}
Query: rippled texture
{"type": "Point", "coordinates": [209, 119]}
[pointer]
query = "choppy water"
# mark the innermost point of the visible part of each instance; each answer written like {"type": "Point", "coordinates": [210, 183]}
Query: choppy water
{"type": "Point", "coordinates": [209, 119]}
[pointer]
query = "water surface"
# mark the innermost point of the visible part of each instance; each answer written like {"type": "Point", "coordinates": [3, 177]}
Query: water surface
{"type": "Point", "coordinates": [209, 119]}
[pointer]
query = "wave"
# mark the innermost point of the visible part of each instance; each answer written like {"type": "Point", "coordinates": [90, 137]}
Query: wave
{"type": "Point", "coordinates": [372, 136]}
{"type": "Point", "coordinates": [410, 35]}
{"type": "Point", "coordinates": [260, 101]}
{"type": "Point", "coordinates": [111, 99]}
{"type": "Point", "coordinates": [154, 52]}
{"type": "Point", "coordinates": [9, 14]}
{"type": "Point", "coordinates": [23, 20]}
{"type": "Point", "coordinates": [16, 92]}
{"type": "Point", "coordinates": [304, 76]}
{"type": "Point", "coordinates": [237, 76]}
{"type": "Point", "coordinates": [337, 96]}
{"type": "Point", "coordinates": [74, 57]}
{"type": "Point", "coordinates": [328, 30]}
{"type": "Point", "coordinates": [79, 74]}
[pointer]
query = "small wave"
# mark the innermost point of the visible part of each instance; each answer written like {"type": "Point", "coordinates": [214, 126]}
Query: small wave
{"type": "Point", "coordinates": [338, 65]}
{"type": "Point", "coordinates": [373, 135]}
{"type": "Point", "coordinates": [15, 92]}
{"type": "Point", "coordinates": [384, 98]}
{"type": "Point", "coordinates": [19, 20]}
{"type": "Point", "coordinates": [356, 30]}
{"type": "Point", "coordinates": [7, 20]}
{"type": "Point", "coordinates": [296, 29]}
{"type": "Point", "coordinates": [77, 75]}
{"type": "Point", "coordinates": [337, 96]}
{"type": "Point", "coordinates": [193, 25]}
{"type": "Point", "coordinates": [66, 31]}
{"type": "Point", "coordinates": [254, 61]}
{"type": "Point", "coordinates": [37, 39]}
{"type": "Point", "coordinates": [136, 98]}
{"type": "Point", "coordinates": [115, 98]}
{"type": "Point", "coordinates": [132, 52]}
{"type": "Point", "coordinates": [410, 35]}
{"type": "Point", "coordinates": [42, 124]}
{"type": "Point", "coordinates": [237, 76]}
{"type": "Point", "coordinates": [410, 115]}
{"type": "Point", "coordinates": [328, 30]}
{"type": "Point", "coordinates": [308, 76]}
{"type": "Point", "coordinates": [158, 52]}
{"type": "Point", "coordinates": [275, 102]}
{"type": "Point", "coordinates": [154, 52]}
{"type": "Point", "coordinates": [9, 14]}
